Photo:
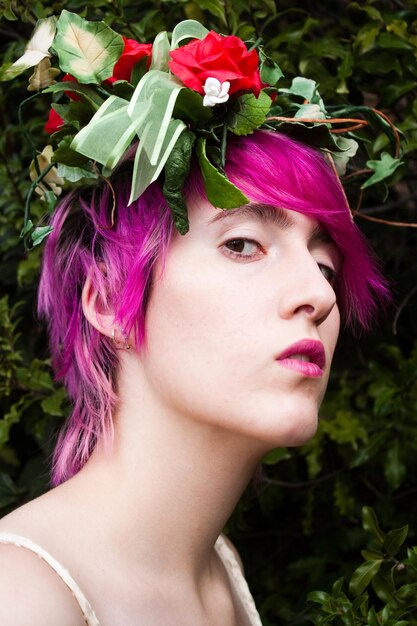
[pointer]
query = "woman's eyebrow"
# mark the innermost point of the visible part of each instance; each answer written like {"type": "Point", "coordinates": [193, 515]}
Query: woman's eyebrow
{"type": "Point", "coordinates": [320, 235]}
{"type": "Point", "coordinates": [261, 212]}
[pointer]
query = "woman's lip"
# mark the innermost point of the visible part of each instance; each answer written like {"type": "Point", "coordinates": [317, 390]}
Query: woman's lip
{"type": "Point", "coordinates": [306, 368]}
{"type": "Point", "coordinates": [310, 348]}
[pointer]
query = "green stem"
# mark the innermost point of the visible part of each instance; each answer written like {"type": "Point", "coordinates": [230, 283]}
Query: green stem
{"type": "Point", "coordinates": [25, 132]}
{"type": "Point", "coordinates": [255, 45]}
{"type": "Point", "coordinates": [223, 147]}
{"type": "Point", "coordinates": [30, 193]}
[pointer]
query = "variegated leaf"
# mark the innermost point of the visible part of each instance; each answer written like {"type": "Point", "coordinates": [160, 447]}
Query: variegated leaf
{"type": "Point", "coordinates": [87, 50]}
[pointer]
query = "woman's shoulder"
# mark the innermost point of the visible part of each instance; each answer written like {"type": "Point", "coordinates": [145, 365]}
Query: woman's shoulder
{"type": "Point", "coordinates": [33, 589]}
{"type": "Point", "coordinates": [31, 592]}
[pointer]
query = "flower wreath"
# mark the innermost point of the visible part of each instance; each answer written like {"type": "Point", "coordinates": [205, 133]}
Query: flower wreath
{"type": "Point", "coordinates": [177, 96]}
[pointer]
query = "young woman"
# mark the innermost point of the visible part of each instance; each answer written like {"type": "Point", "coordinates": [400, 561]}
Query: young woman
{"type": "Point", "coordinates": [187, 358]}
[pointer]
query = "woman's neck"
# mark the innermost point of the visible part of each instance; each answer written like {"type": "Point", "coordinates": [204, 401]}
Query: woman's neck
{"type": "Point", "coordinates": [165, 491]}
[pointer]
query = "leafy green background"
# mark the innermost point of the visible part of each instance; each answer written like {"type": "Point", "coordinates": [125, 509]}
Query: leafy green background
{"type": "Point", "coordinates": [298, 527]}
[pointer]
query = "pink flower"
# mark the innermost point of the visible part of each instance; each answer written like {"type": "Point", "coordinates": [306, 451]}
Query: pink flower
{"type": "Point", "coordinates": [225, 58]}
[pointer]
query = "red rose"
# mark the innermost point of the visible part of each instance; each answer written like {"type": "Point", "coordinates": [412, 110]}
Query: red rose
{"type": "Point", "coordinates": [132, 53]}
{"type": "Point", "coordinates": [54, 122]}
{"type": "Point", "coordinates": [71, 94]}
{"type": "Point", "coordinates": [224, 58]}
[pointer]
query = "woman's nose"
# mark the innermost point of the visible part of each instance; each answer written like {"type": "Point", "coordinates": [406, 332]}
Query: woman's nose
{"type": "Point", "coordinates": [307, 293]}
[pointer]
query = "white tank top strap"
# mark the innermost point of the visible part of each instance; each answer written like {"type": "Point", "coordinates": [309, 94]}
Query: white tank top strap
{"type": "Point", "coordinates": [22, 542]}
{"type": "Point", "coordinates": [238, 580]}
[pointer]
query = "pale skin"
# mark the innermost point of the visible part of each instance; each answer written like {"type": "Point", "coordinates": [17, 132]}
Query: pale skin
{"type": "Point", "coordinates": [199, 407]}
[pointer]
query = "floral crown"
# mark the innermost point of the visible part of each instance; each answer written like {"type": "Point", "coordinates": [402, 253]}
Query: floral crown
{"type": "Point", "coordinates": [179, 96]}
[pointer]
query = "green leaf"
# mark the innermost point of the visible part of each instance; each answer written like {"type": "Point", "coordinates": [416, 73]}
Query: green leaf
{"type": "Point", "coordinates": [87, 50]}
{"type": "Point", "coordinates": [349, 148]}
{"type": "Point", "coordinates": [67, 156]}
{"type": "Point", "coordinates": [215, 7]}
{"type": "Point", "coordinates": [189, 107]}
{"type": "Point", "coordinates": [53, 403]}
{"type": "Point", "coordinates": [394, 468]}
{"type": "Point", "coordinates": [26, 228]}
{"type": "Point", "coordinates": [74, 174]}
{"type": "Point", "coordinates": [9, 492]}
{"type": "Point", "coordinates": [383, 168]}
{"type": "Point", "coordinates": [321, 597]}
{"type": "Point", "coordinates": [407, 591]}
{"type": "Point", "coordinates": [86, 92]}
{"type": "Point", "coordinates": [395, 539]}
{"type": "Point", "coordinates": [50, 200]}
{"type": "Point", "coordinates": [77, 114]}
{"type": "Point", "coordinates": [7, 421]}
{"type": "Point", "coordinates": [220, 191]}
{"type": "Point", "coordinates": [304, 87]}
{"type": "Point", "coordinates": [363, 575]}
{"type": "Point", "coordinates": [276, 456]}
{"type": "Point", "coordinates": [371, 525]}
{"type": "Point", "coordinates": [269, 70]}
{"type": "Point", "coordinates": [39, 234]}
{"type": "Point", "coordinates": [384, 588]}
{"type": "Point", "coordinates": [365, 39]}
{"type": "Point", "coordinates": [252, 113]}
{"type": "Point", "coordinates": [176, 171]}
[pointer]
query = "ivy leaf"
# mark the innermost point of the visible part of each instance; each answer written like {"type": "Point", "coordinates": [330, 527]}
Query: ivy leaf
{"type": "Point", "coordinates": [303, 87]}
{"type": "Point", "coordinates": [87, 50]}
{"type": "Point", "coordinates": [220, 191]}
{"type": "Point", "coordinates": [40, 233]}
{"type": "Point", "coordinates": [349, 148]}
{"type": "Point", "coordinates": [73, 173]}
{"type": "Point", "coordinates": [252, 114]}
{"type": "Point", "coordinates": [176, 171]}
{"type": "Point", "coordinates": [363, 575]}
{"type": "Point", "coordinates": [383, 168]}
{"type": "Point", "coordinates": [269, 70]}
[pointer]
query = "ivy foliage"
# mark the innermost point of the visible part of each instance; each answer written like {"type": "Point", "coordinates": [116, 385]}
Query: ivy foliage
{"type": "Point", "coordinates": [299, 527]}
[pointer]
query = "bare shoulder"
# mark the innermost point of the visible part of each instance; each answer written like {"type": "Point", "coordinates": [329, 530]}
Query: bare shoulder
{"type": "Point", "coordinates": [31, 592]}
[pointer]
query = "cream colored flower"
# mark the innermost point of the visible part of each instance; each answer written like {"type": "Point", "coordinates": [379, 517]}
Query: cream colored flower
{"type": "Point", "coordinates": [43, 76]}
{"type": "Point", "coordinates": [216, 92]}
{"type": "Point", "coordinates": [51, 181]}
{"type": "Point", "coordinates": [38, 45]}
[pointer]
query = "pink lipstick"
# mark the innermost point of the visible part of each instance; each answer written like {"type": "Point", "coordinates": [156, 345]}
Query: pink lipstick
{"type": "Point", "coordinates": [306, 357]}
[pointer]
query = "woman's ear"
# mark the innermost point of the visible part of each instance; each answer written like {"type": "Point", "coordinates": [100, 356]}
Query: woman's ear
{"type": "Point", "coordinates": [99, 314]}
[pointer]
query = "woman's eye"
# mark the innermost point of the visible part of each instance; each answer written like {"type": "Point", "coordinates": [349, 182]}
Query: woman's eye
{"type": "Point", "coordinates": [329, 273]}
{"type": "Point", "coordinates": [243, 248]}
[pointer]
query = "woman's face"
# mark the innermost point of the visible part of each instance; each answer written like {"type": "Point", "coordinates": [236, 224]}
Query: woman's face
{"type": "Point", "coordinates": [226, 317]}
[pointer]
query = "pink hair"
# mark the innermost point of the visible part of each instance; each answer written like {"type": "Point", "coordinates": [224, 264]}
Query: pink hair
{"type": "Point", "coordinates": [269, 168]}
